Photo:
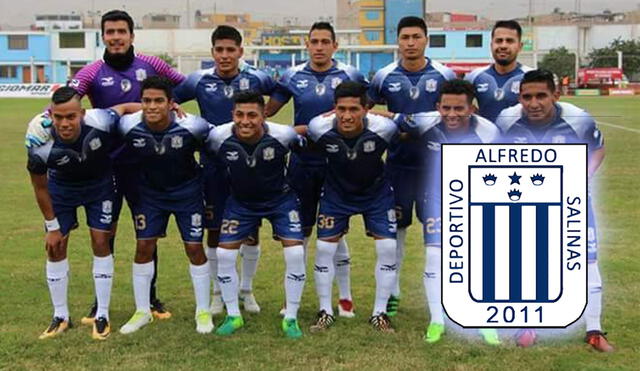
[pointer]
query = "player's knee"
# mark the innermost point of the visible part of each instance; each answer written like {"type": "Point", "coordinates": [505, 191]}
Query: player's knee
{"type": "Point", "coordinates": [195, 252]}
{"type": "Point", "coordinates": [100, 243]}
{"type": "Point", "coordinates": [213, 237]}
{"type": "Point", "coordinates": [56, 253]}
{"type": "Point", "coordinates": [144, 251]}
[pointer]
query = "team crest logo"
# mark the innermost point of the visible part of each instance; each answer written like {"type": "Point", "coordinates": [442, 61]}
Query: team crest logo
{"type": "Point", "coordinates": [431, 85]}
{"type": "Point", "coordinates": [268, 153]}
{"type": "Point", "coordinates": [482, 88]}
{"type": "Point", "coordinates": [498, 94]}
{"type": "Point", "coordinates": [211, 87]}
{"type": "Point", "coordinates": [321, 89]}
{"type": "Point", "coordinates": [294, 217]}
{"type": "Point", "coordinates": [515, 87]}
{"type": "Point", "coordinates": [107, 81]}
{"type": "Point", "coordinates": [394, 87]}
{"type": "Point", "coordinates": [332, 148]}
{"type": "Point", "coordinates": [514, 234]}
{"type": "Point", "coordinates": [107, 206]}
{"type": "Point", "coordinates": [176, 142]}
{"type": "Point", "coordinates": [244, 83]}
{"type": "Point", "coordinates": [141, 74]}
{"type": "Point", "coordinates": [196, 220]}
{"type": "Point", "coordinates": [369, 146]}
{"type": "Point", "coordinates": [414, 93]}
{"type": "Point", "coordinates": [302, 84]}
{"type": "Point", "coordinates": [95, 143]}
{"type": "Point", "coordinates": [139, 142]}
{"type": "Point", "coordinates": [125, 85]}
{"type": "Point", "coordinates": [228, 91]}
{"type": "Point", "coordinates": [233, 156]}
{"type": "Point", "coordinates": [335, 82]}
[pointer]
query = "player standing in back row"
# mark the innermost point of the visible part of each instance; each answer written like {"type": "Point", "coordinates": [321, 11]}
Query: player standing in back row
{"type": "Point", "coordinates": [409, 85]}
{"type": "Point", "coordinates": [312, 85]}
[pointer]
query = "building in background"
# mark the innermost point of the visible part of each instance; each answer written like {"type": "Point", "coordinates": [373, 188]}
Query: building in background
{"type": "Point", "coordinates": [160, 21]}
{"type": "Point", "coordinates": [46, 22]}
{"type": "Point", "coordinates": [251, 29]}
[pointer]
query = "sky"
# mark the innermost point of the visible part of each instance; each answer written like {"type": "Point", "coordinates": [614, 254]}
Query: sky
{"type": "Point", "coordinates": [21, 13]}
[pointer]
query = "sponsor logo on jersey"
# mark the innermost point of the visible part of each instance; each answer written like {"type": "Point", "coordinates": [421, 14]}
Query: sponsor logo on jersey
{"type": "Point", "coordinates": [211, 87]}
{"type": "Point", "coordinates": [244, 83]}
{"type": "Point", "coordinates": [176, 141]}
{"type": "Point", "coordinates": [107, 81]}
{"type": "Point", "coordinates": [520, 140]}
{"type": "Point", "coordinates": [431, 85]}
{"type": "Point", "coordinates": [141, 74]}
{"type": "Point", "coordinates": [74, 83]}
{"type": "Point", "coordinates": [139, 142]}
{"type": "Point", "coordinates": [369, 146]}
{"type": "Point", "coordinates": [558, 139]}
{"type": "Point", "coordinates": [394, 87]}
{"type": "Point", "coordinates": [233, 155]}
{"type": "Point", "coordinates": [333, 148]}
{"type": "Point", "coordinates": [433, 146]}
{"type": "Point", "coordinates": [95, 143]}
{"type": "Point", "coordinates": [268, 153]}
{"type": "Point", "coordinates": [196, 232]}
{"type": "Point", "coordinates": [482, 88]}
{"type": "Point", "coordinates": [514, 234]}
{"type": "Point", "coordinates": [302, 84]}
{"type": "Point", "coordinates": [125, 85]}
{"type": "Point", "coordinates": [63, 160]}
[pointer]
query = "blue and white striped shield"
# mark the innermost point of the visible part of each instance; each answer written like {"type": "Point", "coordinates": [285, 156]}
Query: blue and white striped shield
{"type": "Point", "coordinates": [514, 234]}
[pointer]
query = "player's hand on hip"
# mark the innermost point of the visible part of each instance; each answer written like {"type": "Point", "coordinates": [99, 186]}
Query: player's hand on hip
{"type": "Point", "coordinates": [38, 131]}
{"type": "Point", "coordinates": [181, 113]}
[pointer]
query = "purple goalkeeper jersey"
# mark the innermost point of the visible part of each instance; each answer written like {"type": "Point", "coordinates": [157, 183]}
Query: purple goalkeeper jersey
{"type": "Point", "coordinates": [107, 86]}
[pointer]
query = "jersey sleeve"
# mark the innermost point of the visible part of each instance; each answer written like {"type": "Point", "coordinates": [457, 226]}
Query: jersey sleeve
{"type": "Point", "coordinates": [83, 79]}
{"type": "Point", "coordinates": [267, 84]}
{"type": "Point", "coordinates": [36, 158]}
{"type": "Point", "coordinates": [593, 136]}
{"type": "Point", "coordinates": [162, 68]}
{"type": "Point", "coordinates": [186, 90]}
{"type": "Point", "coordinates": [281, 91]}
{"type": "Point", "coordinates": [375, 89]}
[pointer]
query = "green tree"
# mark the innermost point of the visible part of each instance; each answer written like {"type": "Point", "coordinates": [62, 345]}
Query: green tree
{"type": "Point", "coordinates": [607, 56]}
{"type": "Point", "coordinates": [559, 61]}
{"type": "Point", "coordinates": [167, 58]}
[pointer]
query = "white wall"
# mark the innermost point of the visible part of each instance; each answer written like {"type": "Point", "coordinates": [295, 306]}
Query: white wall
{"type": "Point", "coordinates": [174, 42]}
{"type": "Point", "coordinates": [92, 50]}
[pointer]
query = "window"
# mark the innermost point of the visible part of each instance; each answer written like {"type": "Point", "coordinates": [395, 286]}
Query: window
{"type": "Point", "coordinates": [474, 41]}
{"type": "Point", "coordinates": [437, 41]}
{"type": "Point", "coordinates": [372, 35]}
{"type": "Point", "coordinates": [69, 40]}
{"type": "Point", "coordinates": [18, 42]}
{"type": "Point", "coordinates": [372, 15]}
{"type": "Point", "coordinates": [8, 72]}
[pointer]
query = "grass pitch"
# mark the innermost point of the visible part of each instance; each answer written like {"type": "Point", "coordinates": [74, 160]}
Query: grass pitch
{"type": "Point", "coordinates": [25, 308]}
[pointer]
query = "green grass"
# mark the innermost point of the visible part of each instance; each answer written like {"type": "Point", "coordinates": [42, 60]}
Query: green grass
{"type": "Point", "coordinates": [25, 307]}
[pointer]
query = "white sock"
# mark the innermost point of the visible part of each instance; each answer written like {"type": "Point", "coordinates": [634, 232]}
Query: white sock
{"type": "Point", "coordinates": [401, 237]}
{"type": "Point", "coordinates": [386, 272]}
{"type": "Point", "coordinates": [431, 281]}
{"type": "Point", "coordinates": [594, 298]}
{"type": "Point", "coordinates": [142, 275]}
{"type": "Point", "coordinates": [103, 280]}
{"type": "Point", "coordinates": [212, 258]}
{"type": "Point", "coordinates": [323, 272]}
{"type": "Point", "coordinates": [201, 279]}
{"type": "Point", "coordinates": [250, 255]}
{"type": "Point", "coordinates": [228, 279]}
{"type": "Point", "coordinates": [342, 261]}
{"type": "Point", "coordinates": [58, 282]}
{"type": "Point", "coordinates": [294, 279]}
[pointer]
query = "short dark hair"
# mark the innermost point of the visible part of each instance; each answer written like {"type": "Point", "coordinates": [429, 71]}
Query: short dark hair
{"type": "Point", "coordinates": [224, 32]}
{"type": "Point", "coordinates": [323, 26]}
{"type": "Point", "coordinates": [412, 21]}
{"type": "Point", "coordinates": [64, 94]}
{"type": "Point", "coordinates": [458, 87]}
{"type": "Point", "coordinates": [510, 24]}
{"type": "Point", "coordinates": [159, 83]}
{"type": "Point", "coordinates": [539, 75]}
{"type": "Point", "coordinates": [248, 96]}
{"type": "Point", "coordinates": [351, 89]}
{"type": "Point", "coordinates": [116, 15]}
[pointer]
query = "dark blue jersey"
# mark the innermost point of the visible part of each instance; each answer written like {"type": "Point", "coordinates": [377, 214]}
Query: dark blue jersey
{"type": "Point", "coordinates": [494, 91]}
{"type": "Point", "coordinates": [215, 94]}
{"type": "Point", "coordinates": [83, 163]}
{"type": "Point", "coordinates": [355, 168]}
{"type": "Point", "coordinates": [409, 92]}
{"type": "Point", "coordinates": [165, 159]}
{"type": "Point", "coordinates": [571, 125]}
{"type": "Point", "coordinates": [256, 171]}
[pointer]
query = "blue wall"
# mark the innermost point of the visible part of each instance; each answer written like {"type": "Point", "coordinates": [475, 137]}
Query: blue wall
{"type": "Point", "coordinates": [39, 48]}
{"type": "Point", "coordinates": [394, 11]}
{"type": "Point", "coordinates": [455, 46]}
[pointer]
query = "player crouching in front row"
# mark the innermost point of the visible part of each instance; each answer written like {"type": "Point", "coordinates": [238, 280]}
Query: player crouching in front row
{"type": "Point", "coordinates": [73, 169]}
{"type": "Point", "coordinates": [354, 144]}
